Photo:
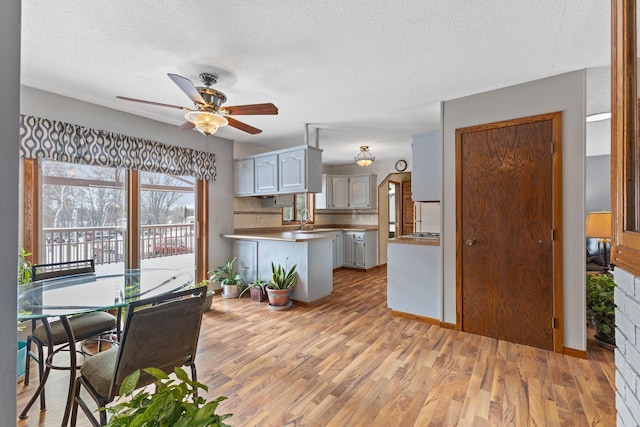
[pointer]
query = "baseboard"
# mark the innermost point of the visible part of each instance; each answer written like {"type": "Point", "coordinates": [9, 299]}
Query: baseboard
{"type": "Point", "coordinates": [416, 317]}
{"type": "Point", "coordinates": [446, 325]}
{"type": "Point", "coordinates": [581, 354]}
{"type": "Point", "coordinates": [312, 303]}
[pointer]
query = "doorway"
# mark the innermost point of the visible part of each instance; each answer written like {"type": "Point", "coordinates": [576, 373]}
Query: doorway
{"type": "Point", "coordinates": [386, 203]}
{"type": "Point", "coordinates": [508, 234]}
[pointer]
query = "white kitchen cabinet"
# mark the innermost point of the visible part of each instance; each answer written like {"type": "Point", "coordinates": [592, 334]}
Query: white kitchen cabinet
{"type": "Point", "coordinates": [291, 166]}
{"type": "Point", "coordinates": [339, 192]}
{"type": "Point", "coordinates": [244, 174]}
{"type": "Point", "coordinates": [339, 252]}
{"type": "Point", "coordinates": [360, 249]}
{"type": "Point", "coordinates": [246, 254]}
{"type": "Point", "coordinates": [266, 174]}
{"type": "Point", "coordinates": [426, 176]}
{"type": "Point", "coordinates": [348, 192]}
{"type": "Point", "coordinates": [362, 191]}
{"type": "Point", "coordinates": [289, 171]}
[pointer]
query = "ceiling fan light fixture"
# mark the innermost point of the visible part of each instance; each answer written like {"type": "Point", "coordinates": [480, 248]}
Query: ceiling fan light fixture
{"type": "Point", "coordinates": [364, 157]}
{"type": "Point", "coordinates": [206, 122]}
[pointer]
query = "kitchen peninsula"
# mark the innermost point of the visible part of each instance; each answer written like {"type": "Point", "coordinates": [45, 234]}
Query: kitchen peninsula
{"type": "Point", "coordinates": [310, 252]}
{"type": "Point", "coordinates": [414, 276]}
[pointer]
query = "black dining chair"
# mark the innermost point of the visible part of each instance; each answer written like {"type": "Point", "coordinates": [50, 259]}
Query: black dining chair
{"type": "Point", "coordinates": [160, 332]}
{"type": "Point", "coordinates": [52, 334]}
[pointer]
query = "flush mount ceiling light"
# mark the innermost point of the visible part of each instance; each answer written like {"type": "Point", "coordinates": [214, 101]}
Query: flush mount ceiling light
{"type": "Point", "coordinates": [598, 117]}
{"type": "Point", "coordinates": [206, 122]}
{"type": "Point", "coordinates": [364, 157]}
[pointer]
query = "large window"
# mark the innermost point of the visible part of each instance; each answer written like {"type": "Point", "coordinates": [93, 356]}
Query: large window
{"type": "Point", "coordinates": [302, 209]}
{"type": "Point", "coordinates": [87, 213]}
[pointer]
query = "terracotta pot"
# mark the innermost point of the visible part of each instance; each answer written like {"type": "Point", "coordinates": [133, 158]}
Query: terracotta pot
{"type": "Point", "coordinates": [278, 297]}
{"type": "Point", "coordinates": [257, 295]}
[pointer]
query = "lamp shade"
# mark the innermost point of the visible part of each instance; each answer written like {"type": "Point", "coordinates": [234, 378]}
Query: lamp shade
{"type": "Point", "coordinates": [599, 224]}
{"type": "Point", "coordinates": [206, 122]}
{"type": "Point", "coordinates": [364, 157]}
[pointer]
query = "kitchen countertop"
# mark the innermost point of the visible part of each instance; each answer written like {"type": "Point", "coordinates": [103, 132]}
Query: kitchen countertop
{"type": "Point", "coordinates": [283, 236]}
{"type": "Point", "coordinates": [415, 241]}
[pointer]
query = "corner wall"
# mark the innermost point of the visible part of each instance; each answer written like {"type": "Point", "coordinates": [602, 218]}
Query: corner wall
{"type": "Point", "coordinates": [9, 134]}
{"type": "Point", "coordinates": [566, 93]}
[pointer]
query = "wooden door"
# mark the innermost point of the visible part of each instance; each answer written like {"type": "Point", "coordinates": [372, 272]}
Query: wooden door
{"type": "Point", "coordinates": [407, 209]}
{"type": "Point", "coordinates": [509, 266]}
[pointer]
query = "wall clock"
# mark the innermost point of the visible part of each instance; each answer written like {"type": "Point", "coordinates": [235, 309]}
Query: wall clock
{"type": "Point", "coordinates": [401, 165]}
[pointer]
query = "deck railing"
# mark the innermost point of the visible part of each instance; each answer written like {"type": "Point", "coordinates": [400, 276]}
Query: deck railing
{"type": "Point", "coordinates": [106, 244]}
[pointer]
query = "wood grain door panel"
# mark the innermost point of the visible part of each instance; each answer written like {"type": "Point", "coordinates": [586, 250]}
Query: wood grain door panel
{"type": "Point", "coordinates": [505, 222]}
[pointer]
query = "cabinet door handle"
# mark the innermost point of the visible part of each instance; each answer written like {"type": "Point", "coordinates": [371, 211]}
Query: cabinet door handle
{"type": "Point", "coordinates": [470, 242]}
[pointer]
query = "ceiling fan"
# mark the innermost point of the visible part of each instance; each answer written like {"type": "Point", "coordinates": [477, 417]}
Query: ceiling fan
{"type": "Point", "coordinates": [209, 114]}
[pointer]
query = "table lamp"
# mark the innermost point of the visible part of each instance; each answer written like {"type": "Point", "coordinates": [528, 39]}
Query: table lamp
{"type": "Point", "coordinates": [599, 226]}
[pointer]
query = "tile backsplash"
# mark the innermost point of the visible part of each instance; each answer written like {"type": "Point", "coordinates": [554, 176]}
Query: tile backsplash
{"type": "Point", "coordinates": [249, 213]}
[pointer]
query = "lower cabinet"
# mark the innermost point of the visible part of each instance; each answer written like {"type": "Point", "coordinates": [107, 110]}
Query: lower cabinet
{"type": "Point", "coordinates": [360, 249]}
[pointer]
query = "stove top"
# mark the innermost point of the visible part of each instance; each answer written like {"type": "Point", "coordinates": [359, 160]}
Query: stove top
{"type": "Point", "coordinates": [423, 235]}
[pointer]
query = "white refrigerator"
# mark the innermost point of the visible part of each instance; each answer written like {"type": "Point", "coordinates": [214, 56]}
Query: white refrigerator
{"type": "Point", "coordinates": [426, 217]}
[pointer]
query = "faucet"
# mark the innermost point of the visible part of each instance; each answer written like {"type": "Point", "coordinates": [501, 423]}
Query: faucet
{"type": "Point", "coordinates": [303, 221]}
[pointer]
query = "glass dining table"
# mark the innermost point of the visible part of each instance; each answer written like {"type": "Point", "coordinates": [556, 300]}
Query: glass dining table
{"type": "Point", "coordinates": [66, 296]}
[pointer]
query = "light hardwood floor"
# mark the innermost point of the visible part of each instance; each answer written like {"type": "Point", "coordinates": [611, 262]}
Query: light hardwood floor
{"type": "Point", "coordinates": [349, 362]}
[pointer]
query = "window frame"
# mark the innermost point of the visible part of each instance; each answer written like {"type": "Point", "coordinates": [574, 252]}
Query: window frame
{"type": "Point", "coordinates": [625, 148]}
{"type": "Point", "coordinates": [310, 201]}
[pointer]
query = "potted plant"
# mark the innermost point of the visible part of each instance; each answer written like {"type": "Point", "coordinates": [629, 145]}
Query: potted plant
{"type": "Point", "coordinates": [173, 402]}
{"type": "Point", "coordinates": [256, 289]}
{"type": "Point", "coordinates": [281, 283]}
{"type": "Point", "coordinates": [231, 281]}
{"type": "Point", "coordinates": [601, 308]}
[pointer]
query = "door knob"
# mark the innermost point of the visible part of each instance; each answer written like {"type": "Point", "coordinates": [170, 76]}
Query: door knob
{"type": "Point", "coordinates": [470, 242]}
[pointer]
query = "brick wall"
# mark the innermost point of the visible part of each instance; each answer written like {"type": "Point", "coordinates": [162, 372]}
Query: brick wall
{"type": "Point", "coordinates": [627, 355]}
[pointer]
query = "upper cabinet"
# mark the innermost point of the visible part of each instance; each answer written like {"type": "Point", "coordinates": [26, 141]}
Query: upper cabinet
{"type": "Point", "coordinates": [266, 171]}
{"type": "Point", "coordinates": [426, 176]}
{"type": "Point", "coordinates": [294, 170]}
{"type": "Point", "coordinates": [244, 176]}
{"type": "Point", "coordinates": [348, 192]}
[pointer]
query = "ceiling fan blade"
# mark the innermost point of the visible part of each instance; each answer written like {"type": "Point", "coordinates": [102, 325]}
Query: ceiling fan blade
{"type": "Point", "coordinates": [187, 125]}
{"type": "Point", "coordinates": [252, 109]}
{"type": "Point", "coordinates": [187, 87]}
{"type": "Point", "coordinates": [159, 104]}
{"type": "Point", "coordinates": [242, 126]}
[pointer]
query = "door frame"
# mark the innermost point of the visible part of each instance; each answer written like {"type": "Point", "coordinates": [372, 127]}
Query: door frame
{"type": "Point", "coordinates": [555, 148]}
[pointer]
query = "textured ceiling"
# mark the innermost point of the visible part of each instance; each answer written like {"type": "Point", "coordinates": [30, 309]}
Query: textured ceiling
{"type": "Point", "coordinates": [364, 71]}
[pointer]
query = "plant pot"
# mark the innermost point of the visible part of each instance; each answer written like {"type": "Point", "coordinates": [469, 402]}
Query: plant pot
{"type": "Point", "coordinates": [22, 357]}
{"type": "Point", "coordinates": [278, 297]}
{"type": "Point", "coordinates": [208, 301]}
{"type": "Point", "coordinates": [257, 295]}
{"type": "Point", "coordinates": [230, 291]}
{"type": "Point", "coordinates": [607, 341]}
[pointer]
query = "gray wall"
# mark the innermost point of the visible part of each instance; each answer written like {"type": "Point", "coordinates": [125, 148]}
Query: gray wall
{"type": "Point", "coordinates": [564, 93]}
{"type": "Point", "coordinates": [598, 184]}
{"type": "Point", "coordinates": [9, 113]}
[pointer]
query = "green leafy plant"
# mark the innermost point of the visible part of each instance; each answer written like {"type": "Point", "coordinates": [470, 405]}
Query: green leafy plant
{"type": "Point", "coordinates": [175, 403]}
{"type": "Point", "coordinates": [24, 267]}
{"type": "Point", "coordinates": [226, 276]}
{"type": "Point", "coordinates": [258, 283]}
{"type": "Point", "coordinates": [601, 305]}
{"type": "Point", "coordinates": [281, 278]}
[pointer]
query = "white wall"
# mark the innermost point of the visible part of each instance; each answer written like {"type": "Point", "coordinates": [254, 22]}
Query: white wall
{"type": "Point", "coordinates": [9, 114]}
{"type": "Point", "coordinates": [51, 106]}
{"type": "Point", "coordinates": [564, 93]}
{"type": "Point", "coordinates": [598, 183]}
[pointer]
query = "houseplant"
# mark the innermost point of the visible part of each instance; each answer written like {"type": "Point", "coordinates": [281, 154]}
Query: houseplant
{"type": "Point", "coordinates": [256, 289]}
{"type": "Point", "coordinates": [601, 307]}
{"type": "Point", "coordinates": [173, 403]}
{"type": "Point", "coordinates": [281, 283]}
{"type": "Point", "coordinates": [231, 281]}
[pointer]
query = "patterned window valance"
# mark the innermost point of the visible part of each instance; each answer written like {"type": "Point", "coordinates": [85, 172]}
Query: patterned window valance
{"type": "Point", "coordinates": [50, 139]}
